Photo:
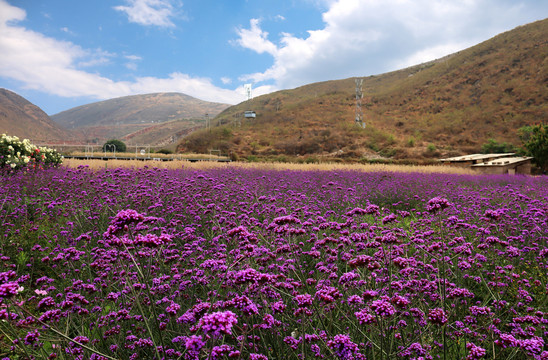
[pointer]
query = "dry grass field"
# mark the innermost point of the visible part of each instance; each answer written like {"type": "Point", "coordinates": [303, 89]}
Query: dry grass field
{"type": "Point", "coordinates": [147, 155]}
{"type": "Point", "coordinates": [178, 164]}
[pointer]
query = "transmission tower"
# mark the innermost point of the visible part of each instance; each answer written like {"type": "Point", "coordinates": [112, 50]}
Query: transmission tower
{"type": "Point", "coordinates": [238, 119]}
{"type": "Point", "coordinates": [359, 97]}
{"type": "Point", "coordinates": [247, 89]}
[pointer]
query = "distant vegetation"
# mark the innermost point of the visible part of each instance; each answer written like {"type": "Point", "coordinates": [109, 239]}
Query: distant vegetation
{"type": "Point", "coordinates": [535, 139]}
{"type": "Point", "coordinates": [494, 147]}
{"type": "Point", "coordinates": [164, 151]}
{"type": "Point", "coordinates": [114, 146]}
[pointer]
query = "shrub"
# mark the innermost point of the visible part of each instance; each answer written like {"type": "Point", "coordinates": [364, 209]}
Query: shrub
{"type": "Point", "coordinates": [431, 148]}
{"type": "Point", "coordinates": [114, 145]}
{"type": "Point", "coordinates": [164, 151]}
{"type": "Point", "coordinates": [431, 151]}
{"type": "Point", "coordinates": [411, 142]}
{"type": "Point", "coordinates": [16, 154]}
{"type": "Point", "coordinates": [388, 152]}
{"type": "Point", "coordinates": [373, 147]}
{"type": "Point", "coordinates": [311, 160]}
{"type": "Point", "coordinates": [494, 147]}
{"type": "Point", "coordinates": [234, 156]}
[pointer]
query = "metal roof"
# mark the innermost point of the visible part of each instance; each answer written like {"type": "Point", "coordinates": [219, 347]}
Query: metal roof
{"type": "Point", "coordinates": [474, 157]}
{"type": "Point", "coordinates": [505, 161]}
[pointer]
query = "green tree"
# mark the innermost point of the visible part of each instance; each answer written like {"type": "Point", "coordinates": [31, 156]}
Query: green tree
{"type": "Point", "coordinates": [494, 147]}
{"type": "Point", "coordinates": [114, 145]}
{"type": "Point", "coordinates": [535, 140]}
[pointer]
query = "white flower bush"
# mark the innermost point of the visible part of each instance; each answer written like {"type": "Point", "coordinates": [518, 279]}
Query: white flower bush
{"type": "Point", "coordinates": [18, 154]}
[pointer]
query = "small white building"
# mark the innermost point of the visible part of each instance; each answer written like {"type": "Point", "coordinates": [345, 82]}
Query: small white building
{"type": "Point", "coordinates": [469, 160]}
{"type": "Point", "coordinates": [250, 114]}
{"type": "Point", "coordinates": [505, 165]}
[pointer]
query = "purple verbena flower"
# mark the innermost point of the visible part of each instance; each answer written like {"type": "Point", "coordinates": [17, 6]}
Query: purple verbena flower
{"type": "Point", "coordinates": [437, 316]}
{"type": "Point", "coordinates": [8, 289]}
{"type": "Point", "coordinates": [218, 323]}
{"type": "Point", "coordinates": [193, 345]}
{"type": "Point", "coordinates": [31, 337]}
{"type": "Point", "coordinates": [218, 352]}
{"type": "Point", "coordinates": [122, 220]}
{"type": "Point", "coordinates": [475, 352]}
{"type": "Point", "coordinates": [344, 348]}
{"type": "Point", "coordinates": [382, 308]}
{"type": "Point", "coordinates": [254, 356]}
{"type": "Point", "coordinates": [436, 204]}
{"type": "Point", "coordinates": [364, 317]}
{"type": "Point", "coordinates": [303, 300]}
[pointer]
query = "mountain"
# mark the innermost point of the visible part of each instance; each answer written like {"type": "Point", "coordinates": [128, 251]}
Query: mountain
{"type": "Point", "coordinates": [25, 120]}
{"type": "Point", "coordinates": [450, 106]}
{"type": "Point", "coordinates": [124, 116]}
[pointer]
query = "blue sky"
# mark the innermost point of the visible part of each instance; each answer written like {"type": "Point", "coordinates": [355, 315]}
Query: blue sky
{"type": "Point", "coordinates": [64, 53]}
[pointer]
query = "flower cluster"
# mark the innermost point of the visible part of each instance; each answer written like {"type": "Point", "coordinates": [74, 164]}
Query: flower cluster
{"type": "Point", "coordinates": [382, 308]}
{"type": "Point", "coordinates": [344, 347]}
{"type": "Point", "coordinates": [218, 323]}
{"type": "Point", "coordinates": [18, 154]}
{"type": "Point", "coordinates": [437, 203]}
{"type": "Point", "coordinates": [437, 316]}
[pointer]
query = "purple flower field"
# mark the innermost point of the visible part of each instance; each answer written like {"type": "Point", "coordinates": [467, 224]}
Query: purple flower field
{"type": "Point", "coordinates": [259, 264]}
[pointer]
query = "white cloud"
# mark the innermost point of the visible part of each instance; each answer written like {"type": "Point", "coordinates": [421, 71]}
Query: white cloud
{"type": "Point", "coordinates": [133, 57]}
{"type": "Point", "coordinates": [226, 80]}
{"type": "Point", "coordinates": [132, 64]}
{"type": "Point", "coordinates": [256, 39]}
{"type": "Point", "coordinates": [55, 67]}
{"type": "Point", "coordinates": [67, 30]}
{"type": "Point", "coordinates": [10, 13]}
{"type": "Point", "coordinates": [361, 38]}
{"type": "Point", "coordinates": [96, 58]}
{"type": "Point", "coordinates": [149, 12]}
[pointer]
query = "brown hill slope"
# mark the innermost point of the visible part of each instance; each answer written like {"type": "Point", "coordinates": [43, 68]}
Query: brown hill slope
{"type": "Point", "coordinates": [163, 134]}
{"type": "Point", "coordinates": [120, 117]}
{"type": "Point", "coordinates": [25, 120]}
{"type": "Point", "coordinates": [445, 107]}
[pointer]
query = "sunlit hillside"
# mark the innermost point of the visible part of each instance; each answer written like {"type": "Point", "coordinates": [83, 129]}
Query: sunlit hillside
{"type": "Point", "coordinates": [446, 107]}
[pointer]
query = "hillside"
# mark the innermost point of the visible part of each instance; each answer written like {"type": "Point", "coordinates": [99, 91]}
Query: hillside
{"type": "Point", "coordinates": [446, 107]}
{"type": "Point", "coordinates": [164, 133]}
{"type": "Point", "coordinates": [133, 117]}
{"type": "Point", "coordinates": [25, 120]}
